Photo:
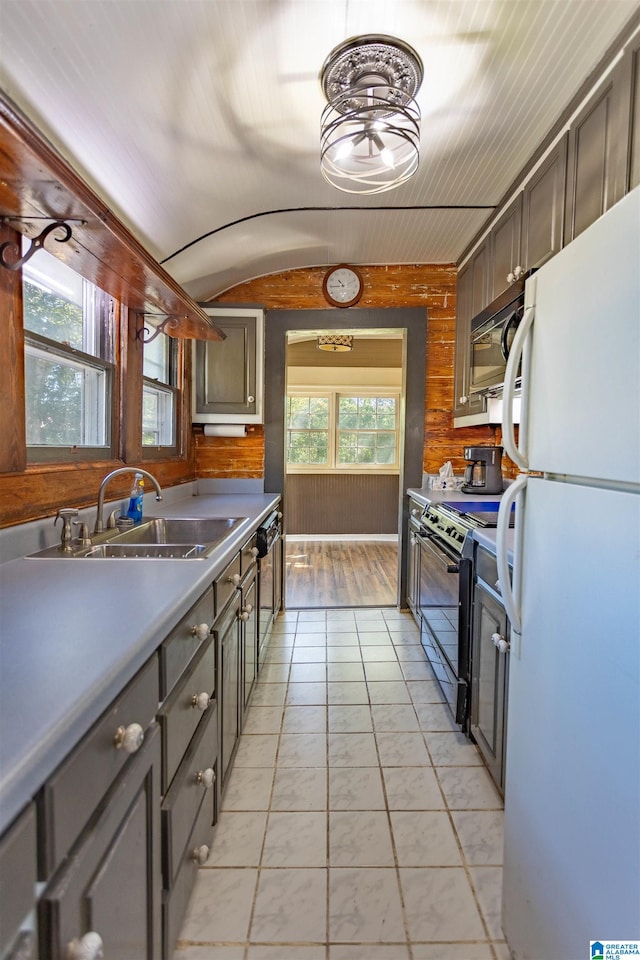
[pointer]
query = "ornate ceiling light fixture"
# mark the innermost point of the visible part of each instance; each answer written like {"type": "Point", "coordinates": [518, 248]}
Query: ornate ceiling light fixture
{"type": "Point", "coordinates": [335, 342]}
{"type": "Point", "coordinates": [370, 128]}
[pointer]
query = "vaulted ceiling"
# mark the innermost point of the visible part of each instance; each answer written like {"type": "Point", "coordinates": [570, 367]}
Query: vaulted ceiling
{"type": "Point", "coordinates": [198, 120]}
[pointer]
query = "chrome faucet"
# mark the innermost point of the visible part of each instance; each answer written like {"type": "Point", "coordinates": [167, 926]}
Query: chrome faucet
{"type": "Point", "coordinates": [99, 527]}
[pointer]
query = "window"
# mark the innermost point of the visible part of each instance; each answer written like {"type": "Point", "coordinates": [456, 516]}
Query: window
{"type": "Point", "coordinates": [339, 431]}
{"type": "Point", "coordinates": [68, 362]}
{"type": "Point", "coordinates": [159, 393]}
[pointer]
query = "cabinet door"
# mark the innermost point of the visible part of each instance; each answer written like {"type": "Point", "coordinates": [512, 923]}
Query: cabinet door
{"type": "Point", "coordinates": [413, 573]}
{"type": "Point", "coordinates": [463, 335]}
{"type": "Point", "coordinates": [249, 637]}
{"type": "Point", "coordinates": [597, 157]}
{"type": "Point", "coordinates": [631, 82]}
{"type": "Point", "coordinates": [228, 373]}
{"type": "Point", "coordinates": [111, 882]}
{"type": "Point", "coordinates": [505, 248]}
{"type": "Point", "coordinates": [543, 203]}
{"type": "Point", "coordinates": [489, 676]}
{"type": "Point", "coordinates": [228, 636]}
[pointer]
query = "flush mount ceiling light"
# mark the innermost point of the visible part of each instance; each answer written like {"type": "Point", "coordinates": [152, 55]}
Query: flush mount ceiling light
{"type": "Point", "coordinates": [370, 128]}
{"type": "Point", "coordinates": [335, 342]}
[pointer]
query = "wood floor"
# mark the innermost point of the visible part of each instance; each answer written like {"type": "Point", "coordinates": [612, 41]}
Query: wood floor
{"type": "Point", "coordinates": [341, 573]}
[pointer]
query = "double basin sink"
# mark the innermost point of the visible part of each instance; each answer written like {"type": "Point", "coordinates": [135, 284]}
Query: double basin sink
{"type": "Point", "coordinates": [159, 538]}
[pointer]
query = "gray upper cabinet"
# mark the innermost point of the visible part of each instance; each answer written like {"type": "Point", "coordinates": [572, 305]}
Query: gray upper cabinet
{"type": "Point", "coordinates": [505, 250]}
{"type": "Point", "coordinates": [470, 299]}
{"type": "Point", "coordinates": [542, 208]}
{"type": "Point", "coordinates": [631, 80]}
{"type": "Point", "coordinates": [228, 375]}
{"type": "Point", "coordinates": [597, 155]}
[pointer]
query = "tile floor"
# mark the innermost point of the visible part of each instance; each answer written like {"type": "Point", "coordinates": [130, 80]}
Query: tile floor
{"type": "Point", "coordinates": [357, 824]}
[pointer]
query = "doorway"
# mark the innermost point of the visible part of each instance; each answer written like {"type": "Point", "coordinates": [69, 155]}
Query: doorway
{"type": "Point", "coordinates": [410, 324]}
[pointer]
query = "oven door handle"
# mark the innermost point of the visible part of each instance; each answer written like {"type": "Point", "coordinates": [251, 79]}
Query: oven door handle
{"type": "Point", "coordinates": [439, 553]}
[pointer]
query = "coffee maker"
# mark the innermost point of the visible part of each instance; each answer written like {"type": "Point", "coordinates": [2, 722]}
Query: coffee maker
{"type": "Point", "coordinates": [483, 473]}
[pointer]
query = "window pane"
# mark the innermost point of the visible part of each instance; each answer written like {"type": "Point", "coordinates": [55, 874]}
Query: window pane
{"type": "Point", "coordinates": [65, 401]}
{"type": "Point", "coordinates": [158, 419]}
{"type": "Point", "coordinates": [156, 355]}
{"type": "Point", "coordinates": [307, 446]}
{"type": "Point", "coordinates": [53, 301]}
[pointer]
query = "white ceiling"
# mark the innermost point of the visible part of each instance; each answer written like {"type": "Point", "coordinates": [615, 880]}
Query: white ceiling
{"type": "Point", "coordinates": [198, 120]}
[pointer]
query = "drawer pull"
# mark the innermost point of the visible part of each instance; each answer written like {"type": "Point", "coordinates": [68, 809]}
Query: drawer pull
{"type": "Point", "coordinates": [129, 738]}
{"type": "Point", "coordinates": [200, 700]}
{"type": "Point", "coordinates": [206, 777]}
{"type": "Point", "coordinates": [201, 854]}
{"type": "Point", "coordinates": [89, 947]}
{"type": "Point", "coordinates": [201, 631]}
{"type": "Point", "coordinates": [234, 579]}
{"type": "Point", "coordinates": [254, 551]}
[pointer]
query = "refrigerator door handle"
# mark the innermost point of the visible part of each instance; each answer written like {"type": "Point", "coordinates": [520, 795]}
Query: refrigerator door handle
{"type": "Point", "coordinates": [506, 586]}
{"type": "Point", "coordinates": [515, 452]}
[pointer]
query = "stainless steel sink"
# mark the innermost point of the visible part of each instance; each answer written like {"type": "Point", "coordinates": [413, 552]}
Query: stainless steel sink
{"type": "Point", "coordinates": [147, 551]}
{"type": "Point", "coordinates": [193, 530]}
{"type": "Point", "coordinates": [175, 538]}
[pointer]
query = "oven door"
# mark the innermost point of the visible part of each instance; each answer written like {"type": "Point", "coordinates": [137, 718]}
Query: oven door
{"type": "Point", "coordinates": [439, 599]}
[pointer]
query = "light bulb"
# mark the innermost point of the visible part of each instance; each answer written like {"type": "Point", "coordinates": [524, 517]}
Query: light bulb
{"type": "Point", "coordinates": [344, 149]}
{"type": "Point", "coordinates": [387, 157]}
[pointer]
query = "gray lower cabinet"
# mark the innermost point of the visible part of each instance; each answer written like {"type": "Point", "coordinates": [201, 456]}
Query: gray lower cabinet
{"type": "Point", "coordinates": [249, 636]}
{"type": "Point", "coordinates": [489, 669]}
{"type": "Point", "coordinates": [227, 631]}
{"type": "Point", "coordinates": [18, 865]}
{"type": "Point", "coordinates": [109, 885]}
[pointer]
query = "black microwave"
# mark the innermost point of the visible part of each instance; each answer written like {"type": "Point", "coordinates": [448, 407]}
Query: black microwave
{"type": "Point", "coordinates": [492, 333]}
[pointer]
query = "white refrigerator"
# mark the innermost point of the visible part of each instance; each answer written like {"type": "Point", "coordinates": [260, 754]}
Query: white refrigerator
{"type": "Point", "coordinates": [572, 789]}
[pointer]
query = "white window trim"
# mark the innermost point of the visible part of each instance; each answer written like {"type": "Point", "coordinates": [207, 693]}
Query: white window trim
{"type": "Point", "coordinates": [333, 467]}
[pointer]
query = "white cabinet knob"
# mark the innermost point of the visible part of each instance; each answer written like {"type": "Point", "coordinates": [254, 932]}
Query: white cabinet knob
{"type": "Point", "coordinates": [201, 631]}
{"type": "Point", "coordinates": [248, 607]}
{"type": "Point", "coordinates": [462, 400]}
{"type": "Point", "coordinates": [200, 700]}
{"type": "Point", "coordinates": [89, 947]}
{"type": "Point", "coordinates": [206, 777]}
{"type": "Point", "coordinates": [129, 738]}
{"type": "Point", "coordinates": [251, 399]}
{"type": "Point", "coordinates": [254, 551]}
{"type": "Point", "coordinates": [234, 579]}
{"type": "Point", "coordinates": [201, 854]}
{"type": "Point", "coordinates": [279, 514]}
{"type": "Point", "coordinates": [243, 616]}
{"type": "Point", "coordinates": [415, 511]}
{"type": "Point", "coordinates": [499, 642]}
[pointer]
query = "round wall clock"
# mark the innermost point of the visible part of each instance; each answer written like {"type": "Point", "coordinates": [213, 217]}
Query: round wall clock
{"type": "Point", "coordinates": [342, 286]}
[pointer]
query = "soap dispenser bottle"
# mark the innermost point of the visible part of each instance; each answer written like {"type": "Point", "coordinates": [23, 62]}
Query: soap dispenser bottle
{"type": "Point", "coordinates": [135, 499]}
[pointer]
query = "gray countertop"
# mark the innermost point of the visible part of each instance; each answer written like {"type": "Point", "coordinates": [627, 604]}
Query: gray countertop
{"type": "Point", "coordinates": [74, 632]}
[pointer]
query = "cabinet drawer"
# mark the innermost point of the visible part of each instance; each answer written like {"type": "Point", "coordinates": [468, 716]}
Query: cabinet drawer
{"type": "Point", "coordinates": [180, 714]}
{"type": "Point", "coordinates": [73, 792]}
{"type": "Point", "coordinates": [176, 902]}
{"type": "Point", "coordinates": [188, 792]}
{"type": "Point", "coordinates": [17, 876]}
{"type": "Point", "coordinates": [182, 643]}
{"type": "Point", "coordinates": [227, 583]}
{"type": "Point", "coordinates": [248, 556]}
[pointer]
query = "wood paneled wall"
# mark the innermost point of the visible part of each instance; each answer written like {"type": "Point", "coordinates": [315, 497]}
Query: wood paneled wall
{"type": "Point", "coordinates": [402, 285]}
{"type": "Point", "coordinates": [341, 503]}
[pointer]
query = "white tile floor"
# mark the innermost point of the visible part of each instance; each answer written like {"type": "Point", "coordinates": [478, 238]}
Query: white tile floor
{"type": "Point", "coordinates": [357, 823]}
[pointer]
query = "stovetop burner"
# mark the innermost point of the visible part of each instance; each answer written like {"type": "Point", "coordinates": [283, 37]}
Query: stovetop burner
{"type": "Point", "coordinates": [452, 520]}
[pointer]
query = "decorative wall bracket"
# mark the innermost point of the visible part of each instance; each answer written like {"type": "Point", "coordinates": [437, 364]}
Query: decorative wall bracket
{"type": "Point", "coordinates": [15, 261]}
{"type": "Point", "coordinates": [148, 334]}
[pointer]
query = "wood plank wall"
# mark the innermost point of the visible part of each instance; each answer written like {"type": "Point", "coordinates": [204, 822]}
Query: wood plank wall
{"type": "Point", "coordinates": [402, 285]}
